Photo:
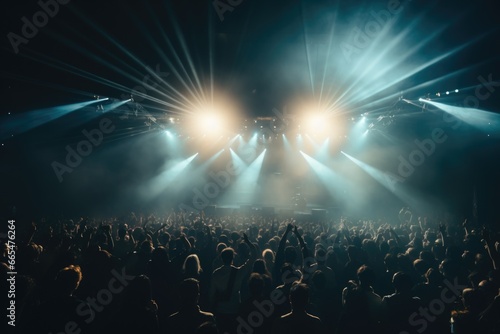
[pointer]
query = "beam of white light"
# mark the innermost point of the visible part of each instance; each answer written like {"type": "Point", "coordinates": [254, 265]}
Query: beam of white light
{"type": "Point", "coordinates": [330, 43]}
{"type": "Point", "coordinates": [231, 142]}
{"type": "Point", "coordinates": [237, 161]}
{"type": "Point", "coordinates": [368, 62]}
{"type": "Point", "coordinates": [138, 77]}
{"type": "Point", "coordinates": [171, 172]}
{"type": "Point", "coordinates": [480, 119]}
{"type": "Point", "coordinates": [184, 47]}
{"type": "Point", "coordinates": [286, 144]}
{"type": "Point", "coordinates": [300, 141]}
{"type": "Point", "coordinates": [333, 182]}
{"type": "Point", "coordinates": [196, 177]}
{"type": "Point", "coordinates": [57, 64]}
{"type": "Point", "coordinates": [178, 105]}
{"type": "Point", "coordinates": [197, 93]}
{"type": "Point", "coordinates": [174, 145]}
{"type": "Point", "coordinates": [253, 140]}
{"type": "Point", "coordinates": [245, 187]}
{"type": "Point", "coordinates": [379, 78]}
{"type": "Point", "coordinates": [241, 142]}
{"type": "Point", "coordinates": [114, 105]}
{"type": "Point", "coordinates": [415, 88]}
{"type": "Point", "coordinates": [19, 123]}
{"type": "Point", "coordinates": [376, 75]}
{"type": "Point", "coordinates": [390, 182]}
{"type": "Point", "coordinates": [380, 88]}
{"type": "Point", "coordinates": [322, 152]}
{"type": "Point", "coordinates": [313, 142]}
{"type": "Point", "coordinates": [201, 170]}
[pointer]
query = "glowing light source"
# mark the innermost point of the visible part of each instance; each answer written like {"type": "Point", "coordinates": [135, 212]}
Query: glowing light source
{"type": "Point", "coordinates": [316, 124]}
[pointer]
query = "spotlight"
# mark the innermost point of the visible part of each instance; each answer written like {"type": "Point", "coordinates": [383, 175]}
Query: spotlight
{"type": "Point", "coordinates": [447, 93]}
{"type": "Point", "coordinates": [456, 90]}
{"type": "Point", "coordinates": [316, 123]}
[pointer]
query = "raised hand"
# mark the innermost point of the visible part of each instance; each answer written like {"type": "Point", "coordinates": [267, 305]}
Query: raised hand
{"type": "Point", "coordinates": [442, 228]}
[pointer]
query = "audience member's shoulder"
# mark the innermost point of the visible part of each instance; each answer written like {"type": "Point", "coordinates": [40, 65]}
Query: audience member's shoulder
{"type": "Point", "coordinates": [286, 316]}
{"type": "Point", "coordinates": [314, 318]}
{"type": "Point", "coordinates": [218, 270]}
{"type": "Point", "coordinates": [388, 298]}
{"type": "Point", "coordinates": [207, 314]}
{"type": "Point", "coordinates": [173, 316]}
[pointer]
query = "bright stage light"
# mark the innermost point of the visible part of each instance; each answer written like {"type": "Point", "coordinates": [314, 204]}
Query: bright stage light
{"type": "Point", "coordinates": [211, 122]}
{"type": "Point", "coordinates": [316, 124]}
{"type": "Point", "coordinates": [219, 116]}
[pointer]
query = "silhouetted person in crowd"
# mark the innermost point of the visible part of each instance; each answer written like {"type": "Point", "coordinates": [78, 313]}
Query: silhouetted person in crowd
{"type": "Point", "coordinates": [399, 306]}
{"type": "Point", "coordinates": [225, 287]}
{"type": "Point", "coordinates": [298, 321]}
{"type": "Point", "coordinates": [63, 310]}
{"type": "Point", "coordinates": [361, 305]}
{"type": "Point", "coordinates": [137, 312]}
{"type": "Point", "coordinates": [259, 267]}
{"type": "Point", "coordinates": [466, 320]}
{"type": "Point", "coordinates": [258, 303]}
{"type": "Point", "coordinates": [189, 318]}
{"type": "Point", "coordinates": [191, 267]}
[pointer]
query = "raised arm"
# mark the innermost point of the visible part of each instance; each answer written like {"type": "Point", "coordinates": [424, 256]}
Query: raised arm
{"type": "Point", "coordinates": [442, 232]}
{"type": "Point", "coordinates": [303, 246]}
{"type": "Point", "coordinates": [111, 242]}
{"type": "Point", "coordinates": [247, 266]}
{"type": "Point", "coordinates": [396, 237]}
{"type": "Point", "coordinates": [490, 248]}
{"type": "Point", "coordinates": [280, 253]}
